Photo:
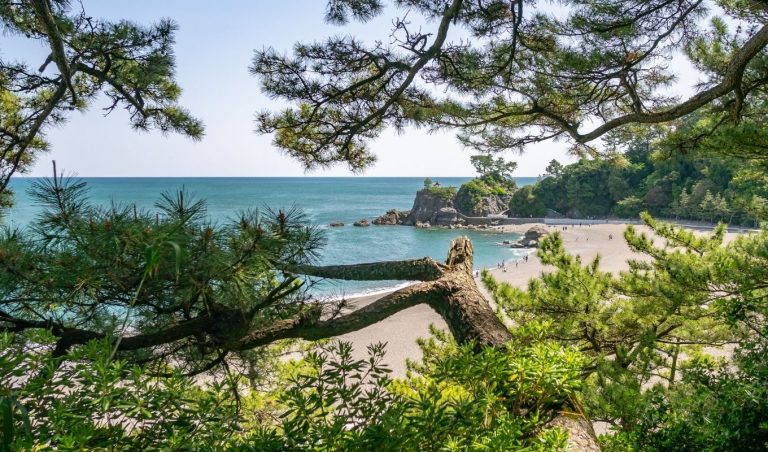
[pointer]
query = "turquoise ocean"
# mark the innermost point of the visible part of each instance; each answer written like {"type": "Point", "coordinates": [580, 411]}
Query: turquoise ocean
{"type": "Point", "coordinates": [323, 200]}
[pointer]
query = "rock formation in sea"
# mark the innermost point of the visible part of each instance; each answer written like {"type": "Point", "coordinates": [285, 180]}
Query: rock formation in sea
{"type": "Point", "coordinates": [361, 223]}
{"type": "Point", "coordinates": [392, 217]}
{"type": "Point", "coordinates": [428, 207]}
{"type": "Point", "coordinates": [490, 204]}
{"type": "Point", "coordinates": [532, 237]}
{"type": "Point", "coordinates": [336, 224]}
{"type": "Point", "coordinates": [441, 207]}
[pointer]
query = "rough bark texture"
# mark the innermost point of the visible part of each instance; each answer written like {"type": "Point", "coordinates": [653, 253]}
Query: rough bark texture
{"type": "Point", "coordinates": [451, 291]}
{"type": "Point", "coordinates": [448, 288]}
{"type": "Point", "coordinates": [425, 269]}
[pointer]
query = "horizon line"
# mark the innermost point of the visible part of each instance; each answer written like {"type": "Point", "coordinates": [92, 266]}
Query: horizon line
{"type": "Point", "coordinates": [254, 177]}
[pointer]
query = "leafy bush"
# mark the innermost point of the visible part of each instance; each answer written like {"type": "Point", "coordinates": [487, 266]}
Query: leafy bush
{"type": "Point", "coordinates": [444, 193]}
{"type": "Point", "coordinates": [95, 402]}
{"type": "Point", "coordinates": [456, 399]}
{"type": "Point", "coordinates": [714, 407]}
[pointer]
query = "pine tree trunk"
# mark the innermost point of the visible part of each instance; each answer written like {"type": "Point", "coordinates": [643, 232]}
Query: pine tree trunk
{"type": "Point", "coordinates": [454, 294]}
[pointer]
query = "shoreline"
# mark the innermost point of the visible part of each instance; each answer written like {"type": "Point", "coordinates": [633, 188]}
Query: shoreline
{"type": "Point", "coordinates": [401, 330]}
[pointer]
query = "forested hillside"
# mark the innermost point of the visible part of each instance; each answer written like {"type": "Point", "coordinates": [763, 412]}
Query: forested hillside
{"type": "Point", "coordinates": [695, 185]}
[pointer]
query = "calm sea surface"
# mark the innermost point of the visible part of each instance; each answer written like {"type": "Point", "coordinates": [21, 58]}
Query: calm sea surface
{"type": "Point", "coordinates": [322, 199]}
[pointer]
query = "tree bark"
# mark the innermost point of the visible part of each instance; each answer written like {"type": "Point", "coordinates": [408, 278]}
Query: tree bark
{"type": "Point", "coordinates": [425, 269]}
{"type": "Point", "coordinates": [449, 289]}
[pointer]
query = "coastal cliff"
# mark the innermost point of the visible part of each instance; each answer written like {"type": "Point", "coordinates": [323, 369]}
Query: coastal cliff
{"type": "Point", "coordinates": [481, 206]}
{"type": "Point", "coordinates": [447, 207]}
{"type": "Point", "coordinates": [433, 207]}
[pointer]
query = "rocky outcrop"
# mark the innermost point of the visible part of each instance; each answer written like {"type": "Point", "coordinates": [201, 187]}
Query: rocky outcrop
{"type": "Point", "coordinates": [392, 217]}
{"type": "Point", "coordinates": [446, 216]}
{"type": "Point", "coordinates": [532, 237]}
{"type": "Point", "coordinates": [483, 206]}
{"type": "Point", "coordinates": [440, 208]}
{"type": "Point", "coordinates": [426, 207]}
{"type": "Point", "coordinates": [480, 198]}
{"type": "Point", "coordinates": [361, 223]}
{"type": "Point", "coordinates": [337, 224]}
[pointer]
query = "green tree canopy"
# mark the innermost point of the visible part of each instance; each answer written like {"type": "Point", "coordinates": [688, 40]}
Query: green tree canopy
{"type": "Point", "coordinates": [131, 65]}
{"type": "Point", "coordinates": [526, 74]}
{"type": "Point", "coordinates": [554, 168]}
{"type": "Point", "coordinates": [497, 170]}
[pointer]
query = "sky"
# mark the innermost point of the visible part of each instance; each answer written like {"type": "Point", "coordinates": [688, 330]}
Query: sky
{"type": "Point", "coordinates": [214, 46]}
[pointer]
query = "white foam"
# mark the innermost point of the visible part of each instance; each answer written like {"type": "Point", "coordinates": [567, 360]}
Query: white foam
{"type": "Point", "coordinates": [369, 292]}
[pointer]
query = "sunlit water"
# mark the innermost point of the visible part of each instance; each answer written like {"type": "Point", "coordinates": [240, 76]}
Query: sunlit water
{"type": "Point", "coordinates": [323, 200]}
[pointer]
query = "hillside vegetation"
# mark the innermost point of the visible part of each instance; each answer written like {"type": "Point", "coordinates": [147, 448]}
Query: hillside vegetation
{"type": "Point", "coordinates": [696, 185]}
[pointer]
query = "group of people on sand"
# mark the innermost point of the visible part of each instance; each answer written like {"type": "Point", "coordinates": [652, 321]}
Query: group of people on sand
{"type": "Point", "coordinates": [503, 264]}
{"type": "Point", "coordinates": [565, 228]}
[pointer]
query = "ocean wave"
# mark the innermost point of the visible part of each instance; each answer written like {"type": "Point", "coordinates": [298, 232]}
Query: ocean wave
{"type": "Point", "coordinates": [367, 292]}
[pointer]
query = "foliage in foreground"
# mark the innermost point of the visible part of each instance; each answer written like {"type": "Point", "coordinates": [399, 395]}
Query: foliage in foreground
{"type": "Point", "coordinates": [167, 286]}
{"type": "Point", "coordinates": [647, 334]}
{"type": "Point", "coordinates": [98, 403]}
{"type": "Point", "coordinates": [456, 399]}
{"type": "Point", "coordinates": [716, 406]}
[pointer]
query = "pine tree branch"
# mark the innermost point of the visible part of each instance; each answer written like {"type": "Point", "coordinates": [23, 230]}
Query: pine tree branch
{"type": "Point", "coordinates": [315, 329]}
{"type": "Point", "coordinates": [730, 82]}
{"type": "Point", "coordinates": [43, 10]}
{"type": "Point", "coordinates": [425, 269]}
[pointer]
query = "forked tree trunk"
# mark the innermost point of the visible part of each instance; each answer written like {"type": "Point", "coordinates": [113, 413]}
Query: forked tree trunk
{"type": "Point", "coordinates": [448, 288]}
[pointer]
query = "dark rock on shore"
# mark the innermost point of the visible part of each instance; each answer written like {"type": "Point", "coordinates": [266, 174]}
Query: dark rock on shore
{"type": "Point", "coordinates": [532, 237]}
{"type": "Point", "coordinates": [392, 217]}
{"type": "Point", "coordinates": [446, 216]}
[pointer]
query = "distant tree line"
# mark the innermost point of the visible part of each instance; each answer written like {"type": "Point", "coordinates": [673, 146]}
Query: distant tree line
{"type": "Point", "coordinates": [692, 186]}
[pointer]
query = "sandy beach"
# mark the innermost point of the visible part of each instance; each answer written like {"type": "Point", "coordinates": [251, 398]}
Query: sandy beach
{"type": "Point", "coordinates": [401, 330]}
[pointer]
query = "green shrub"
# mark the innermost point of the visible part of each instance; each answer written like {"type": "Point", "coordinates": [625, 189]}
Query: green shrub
{"type": "Point", "coordinates": [99, 403]}
{"type": "Point", "coordinates": [456, 399]}
{"type": "Point", "coordinates": [444, 193]}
